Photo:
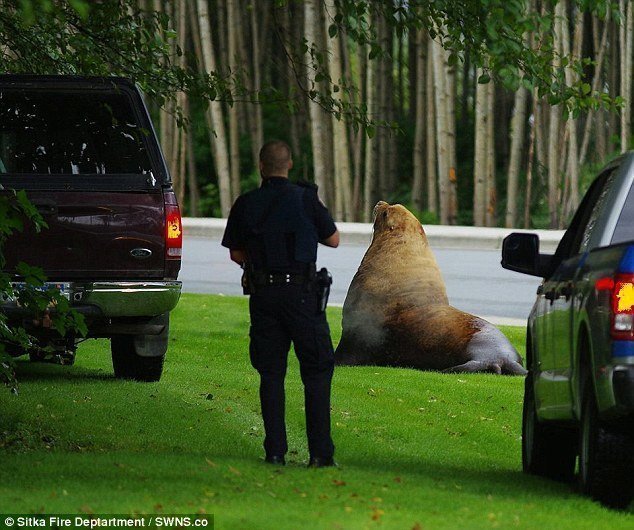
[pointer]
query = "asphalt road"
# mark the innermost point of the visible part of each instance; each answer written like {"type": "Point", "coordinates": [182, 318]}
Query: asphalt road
{"type": "Point", "coordinates": [475, 281]}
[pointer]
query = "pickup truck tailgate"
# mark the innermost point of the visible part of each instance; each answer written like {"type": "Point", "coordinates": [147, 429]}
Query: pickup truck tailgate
{"type": "Point", "coordinates": [106, 235]}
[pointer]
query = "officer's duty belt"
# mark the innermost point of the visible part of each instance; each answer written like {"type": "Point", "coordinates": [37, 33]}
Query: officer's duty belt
{"type": "Point", "coordinates": [279, 278]}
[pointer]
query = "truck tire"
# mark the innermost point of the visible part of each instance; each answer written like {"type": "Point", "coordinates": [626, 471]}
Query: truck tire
{"type": "Point", "coordinates": [605, 458]}
{"type": "Point", "coordinates": [128, 364]}
{"type": "Point", "coordinates": [140, 357]}
{"type": "Point", "coordinates": [547, 450]}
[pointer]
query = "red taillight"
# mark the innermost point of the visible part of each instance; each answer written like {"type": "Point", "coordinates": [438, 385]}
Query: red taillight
{"type": "Point", "coordinates": [621, 289]}
{"type": "Point", "coordinates": [173, 228]}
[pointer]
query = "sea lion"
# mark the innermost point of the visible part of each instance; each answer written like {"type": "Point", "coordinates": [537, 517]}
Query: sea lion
{"type": "Point", "coordinates": [396, 312]}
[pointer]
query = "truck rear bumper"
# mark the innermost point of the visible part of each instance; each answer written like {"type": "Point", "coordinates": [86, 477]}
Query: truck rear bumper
{"type": "Point", "coordinates": [113, 299]}
{"type": "Point", "coordinates": [129, 299]}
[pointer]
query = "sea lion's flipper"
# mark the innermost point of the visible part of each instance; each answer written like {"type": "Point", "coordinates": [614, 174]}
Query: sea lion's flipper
{"type": "Point", "coordinates": [475, 366]}
{"type": "Point", "coordinates": [352, 352]}
{"type": "Point", "coordinates": [513, 368]}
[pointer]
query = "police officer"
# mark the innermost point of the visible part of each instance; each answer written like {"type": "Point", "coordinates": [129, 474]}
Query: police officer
{"type": "Point", "coordinates": [272, 232]}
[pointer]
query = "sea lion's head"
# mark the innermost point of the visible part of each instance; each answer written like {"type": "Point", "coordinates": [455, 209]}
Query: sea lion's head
{"type": "Point", "coordinates": [397, 219]}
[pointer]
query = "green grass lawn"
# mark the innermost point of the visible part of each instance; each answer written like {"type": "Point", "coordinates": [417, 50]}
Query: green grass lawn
{"type": "Point", "coordinates": [416, 450]}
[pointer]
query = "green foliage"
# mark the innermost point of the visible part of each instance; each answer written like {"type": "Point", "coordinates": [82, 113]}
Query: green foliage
{"type": "Point", "coordinates": [31, 294]}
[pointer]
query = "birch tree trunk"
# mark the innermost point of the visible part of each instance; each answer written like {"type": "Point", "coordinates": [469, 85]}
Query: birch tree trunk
{"type": "Point", "coordinates": [420, 133]}
{"type": "Point", "coordinates": [570, 205]}
{"type": "Point", "coordinates": [450, 123]}
{"type": "Point", "coordinates": [219, 139]}
{"type": "Point", "coordinates": [312, 22]}
{"type": "Point", "coordinates": [233, 29]}
{"type": "Point", "coordinates": [598, 76]}
{"type": "Point", "coordinates": [518, 123]}
{"type": "Point", "coordinates": [441, 132]}
{"type": "Point", "coordinates": [432, 159]}
{"type": "Point", "coordinates": [491, 194]}
{"type": "Point", "coordinates": [481, 152]}
{"type": "Point", "coordinates": [554, 142]}
{"type": "Point", "coordinates": [626, 32]}
{"type": "Point", "coordinates": [343, 180]}
{"type": "Point", "coordinates": [257, 132]}
{"type": "Point", "coordinates": [371, 152]}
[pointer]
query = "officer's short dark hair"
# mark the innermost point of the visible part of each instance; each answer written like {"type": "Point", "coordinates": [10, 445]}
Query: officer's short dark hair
{"type": "Point", "coordinates": [275, 156]}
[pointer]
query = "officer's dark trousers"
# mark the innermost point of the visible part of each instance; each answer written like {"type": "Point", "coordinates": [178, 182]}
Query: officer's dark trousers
{"type": "Point", "coordinates": [279, 315]}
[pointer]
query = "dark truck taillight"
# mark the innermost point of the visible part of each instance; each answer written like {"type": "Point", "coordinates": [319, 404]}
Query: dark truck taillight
{"type": "Point", "coordinates": [173, 227]}
{"type": "Point", "coordinates": [621, 291]}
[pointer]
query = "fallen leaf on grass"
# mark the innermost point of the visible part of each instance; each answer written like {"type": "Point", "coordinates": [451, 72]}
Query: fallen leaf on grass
{"type": "Point", "coordinates": [398, 480]}
{"type": "Point", "coordinates": [376, 514]}
{"type": "Point", "coordinates": [234, 471]}
{"type": "Point", "coordinates": [417, 526]}
{"type": "Point", "coordinates": [211, 463]}
{"type": "Point", "coordinates": [338, 482]}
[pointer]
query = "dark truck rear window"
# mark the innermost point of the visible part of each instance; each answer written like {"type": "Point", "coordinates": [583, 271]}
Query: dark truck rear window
{"type": "Point", "coordinates": [70, 133]}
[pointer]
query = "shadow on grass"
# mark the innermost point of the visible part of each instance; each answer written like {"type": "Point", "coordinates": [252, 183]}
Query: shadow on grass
{"type": "Point", "coordinates": [26, 371]}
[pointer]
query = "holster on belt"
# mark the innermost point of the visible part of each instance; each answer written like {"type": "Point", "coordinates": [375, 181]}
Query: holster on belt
{"type": "Point", "coordinates": [323, 280]}
{"type": "Point", "coordinates": [248, 285]}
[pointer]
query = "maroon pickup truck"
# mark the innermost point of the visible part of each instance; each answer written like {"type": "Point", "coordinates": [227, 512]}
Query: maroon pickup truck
{"type": "Point", "coordinates": [85, 152]}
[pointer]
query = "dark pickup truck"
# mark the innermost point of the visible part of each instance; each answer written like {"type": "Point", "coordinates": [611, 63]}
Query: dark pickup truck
{"type": "Point", "coordinates": [85, 152]}
{"type": "Point", "coordinates": [579, 392]}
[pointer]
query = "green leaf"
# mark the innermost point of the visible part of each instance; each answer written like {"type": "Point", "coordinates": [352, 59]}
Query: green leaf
{"type": "Point", "coordinates": [484, 79]}
{"type": "Point", "coordinates": [332, 30]}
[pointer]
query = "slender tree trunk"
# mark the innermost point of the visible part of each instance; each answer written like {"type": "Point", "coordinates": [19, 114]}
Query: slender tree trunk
{"type": "Point", "coordinates": [481, 152]}
{"type": "Point", "coordinates": [312, 22]}
{"type": "Point", "coordinates": [626, 32]}
{"type": "Point", "coordinates": [518, 124]}
{"type": "Point", "coordinates": [192, 180]}
{"type": "Point", "coordinates": [432, 159]}
{"type": "Point", "coordinates": [554, 144]}
{"type": "Point", "coordinates": [180, 133]}
{"type": "Point", "coordinates": [420, 134]}
{"type": "Point", "coordinates": [257, 131]}
{"type": "Point", "coordinates": [371, 151]}
{"type": "Point", "coordinates": [572, 201]}
{"type": "Point", "coordinates": [596, 80]}
{"type": "Point", "coordinates": [441, 132]}
{"type": "Point", "coordinates": [221, 159]}
{"type": "Point", "coordinates": [450, 98]}
{"type": "Point", "coordinates": [233, 28]}
{"type": "Point", "coordinates": [343, 189]}
{"type": "Point", "coordinates": [529, 173]}
{"type": "Point", "coordinates": [491, 207]}
{"type": "Point", "coordinates": [355, 137]}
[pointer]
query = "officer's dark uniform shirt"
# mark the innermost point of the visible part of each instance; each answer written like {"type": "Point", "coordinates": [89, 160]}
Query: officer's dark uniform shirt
{"type": "Point", "coordinates": [259, 217]}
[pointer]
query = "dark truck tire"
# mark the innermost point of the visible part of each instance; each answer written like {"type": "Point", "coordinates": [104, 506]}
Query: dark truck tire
{"type": "Point", "coordinates": [140, 357]}
{"type": "Point", "coordinates": [547, 450]}
{"type": "Point", "coordinates": [605, 458]}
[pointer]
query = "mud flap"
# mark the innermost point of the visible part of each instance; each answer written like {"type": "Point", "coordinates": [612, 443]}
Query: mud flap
{"type": "Point", "coordinates": [154, 345]}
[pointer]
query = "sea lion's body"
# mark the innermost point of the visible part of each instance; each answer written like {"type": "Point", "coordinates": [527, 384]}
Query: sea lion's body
{"type": "Point", "coordinates": [396, 312]}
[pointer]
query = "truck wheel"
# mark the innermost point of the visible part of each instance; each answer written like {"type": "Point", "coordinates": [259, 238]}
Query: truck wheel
{"type": "Point", "coordinates": [128, 364]}
{"type": "Point", "coordinates": [141, 357]}
{"type": "Point", "coordinates": [547, 450]}
{"type": "Point", "coordinates": [605, 458]}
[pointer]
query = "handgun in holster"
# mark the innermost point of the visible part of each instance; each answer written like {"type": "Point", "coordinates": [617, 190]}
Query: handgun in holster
{"type": "Point", "coordinates": [248, 285]}
{"type": "Point", "coordinates": [324, 281]}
